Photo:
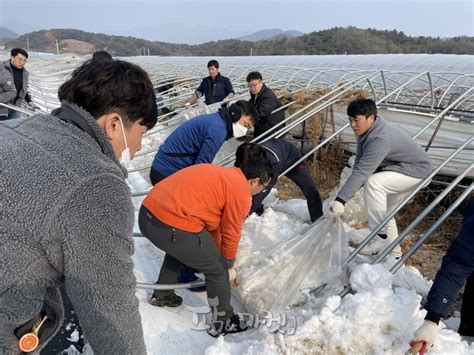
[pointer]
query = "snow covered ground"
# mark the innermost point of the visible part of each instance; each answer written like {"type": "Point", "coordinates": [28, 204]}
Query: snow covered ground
{"type": "Point", "coordinates": [379, 318]}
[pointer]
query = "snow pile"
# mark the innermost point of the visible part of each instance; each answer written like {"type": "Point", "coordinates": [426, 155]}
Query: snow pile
{"type": "Point", "coordinates": [376, 320]}
{"type": "Point", "coordinates": [379, 319]}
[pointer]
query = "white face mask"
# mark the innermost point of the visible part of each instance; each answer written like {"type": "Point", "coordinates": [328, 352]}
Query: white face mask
{"type": "Point", "coordinates": [239, 130]}
{"type": "Point", "coordinates": [125, 158]}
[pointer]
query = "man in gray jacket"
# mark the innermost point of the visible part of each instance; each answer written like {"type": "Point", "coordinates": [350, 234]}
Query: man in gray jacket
{"type": "Point", "coordinates": [14, 83]}
{"type": "Point", "coordinates": [66, 213]}
{"type": "Point", "coordinates": [389, 163]}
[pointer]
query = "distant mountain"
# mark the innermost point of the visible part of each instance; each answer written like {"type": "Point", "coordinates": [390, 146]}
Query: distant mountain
{"type": "Point", "coordinates": [273, 33]}
{"type": "Point", "coordinates": [5, 33]}
{"type": "Point", "coordinates": [178, 33]}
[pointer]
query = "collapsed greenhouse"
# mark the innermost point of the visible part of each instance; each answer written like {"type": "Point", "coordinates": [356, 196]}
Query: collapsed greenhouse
{"type": "Point", "coordinates": [319, 274]}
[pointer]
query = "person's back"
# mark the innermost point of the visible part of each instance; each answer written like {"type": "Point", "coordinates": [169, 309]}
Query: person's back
{"type": "Point", "coordinates": [227, 201]}
{"type": "Point", "coordinates": [195, 141]}
{"type": "Point", "coordinates": [67, 216]}
{"type": "Point", "coordinates": [199, 139]}
{"type": "Point", "coordinates": [282, 154]}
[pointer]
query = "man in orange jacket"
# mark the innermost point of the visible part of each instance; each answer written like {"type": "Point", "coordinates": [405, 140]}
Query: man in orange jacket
{"type": "Point", "coordinates": [196, 217]}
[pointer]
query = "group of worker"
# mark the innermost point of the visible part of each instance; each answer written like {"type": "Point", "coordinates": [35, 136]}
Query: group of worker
{"type": "Point", "coordinates": [68, 217]}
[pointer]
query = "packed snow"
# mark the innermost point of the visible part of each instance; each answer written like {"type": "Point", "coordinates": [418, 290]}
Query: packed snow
{"type": "Point", "coordinates": [379, 318]}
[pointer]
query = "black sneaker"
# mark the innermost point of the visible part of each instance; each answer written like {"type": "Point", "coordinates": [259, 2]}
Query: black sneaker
{"type": "Point", "coordinates": [230, 326]}
{"type": "Point", "coordinates": [171, 300]}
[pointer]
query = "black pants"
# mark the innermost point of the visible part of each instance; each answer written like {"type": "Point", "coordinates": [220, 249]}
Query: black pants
{"type": "Point", "coordinates": [186, 273]}
{"type": "Point", "coordinates": [198, 250]}
{"type": "Point", "coordinates": [301, 176]}
{"type": "Point", "coordinates": [60, 342]}
{"type": "Point", "coordinates": [155, 176]}
{"type": "Point", "coordinates": [466, 328]}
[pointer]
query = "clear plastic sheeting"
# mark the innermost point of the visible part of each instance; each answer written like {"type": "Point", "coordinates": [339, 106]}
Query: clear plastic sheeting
{"type": "Point", "coordinates": [310, 259]}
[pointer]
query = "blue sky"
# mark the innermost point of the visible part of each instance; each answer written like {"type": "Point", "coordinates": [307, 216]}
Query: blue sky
{"type": "Point", "coordinates": [200, 20]}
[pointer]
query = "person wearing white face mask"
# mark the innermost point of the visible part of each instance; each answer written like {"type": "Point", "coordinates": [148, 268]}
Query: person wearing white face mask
{"type": "Point", "coordinates": [70, 217]}
{"type": "Point", "coordinates": [199, 139]}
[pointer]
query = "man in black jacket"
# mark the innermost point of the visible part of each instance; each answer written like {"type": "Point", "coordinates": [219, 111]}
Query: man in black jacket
{"type": "Point", "coordinates": [266, 101]}
{"type": "Point", "coordinates": [456, 269]}
{"type": "Point", "coordinates": [215, 87]}
{"type": "Point", "coordinates": [14, 83]}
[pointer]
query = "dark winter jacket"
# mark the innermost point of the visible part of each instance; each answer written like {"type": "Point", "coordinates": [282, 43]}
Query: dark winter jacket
{"type": "Point", "coordinates": [281, 153]}
{"type": "Point", "coordinates": [385, 147]}
{"type": "Point", "coordinates": [457, 266]}
{"type": "Point", "coordinates": [66, 218]}
{"type": "Point", "coordinates": [8, 90]}
{"type": "Point", "coordinates": [215, 90]}
{"type": "Point", "coordinates": [195, 141]}
{"type": "Point", "coordinates": [266, 102]}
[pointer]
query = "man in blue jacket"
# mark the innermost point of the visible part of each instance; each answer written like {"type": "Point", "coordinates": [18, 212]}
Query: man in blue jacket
{"type": "Point", "coordinates": [199, 139]}
{"type": "Point", "coordinates": [215, 87]}
{"type": "Point", "coordinates": [389, 163]}
{"type": "Point", "coordinates": [457, 266]}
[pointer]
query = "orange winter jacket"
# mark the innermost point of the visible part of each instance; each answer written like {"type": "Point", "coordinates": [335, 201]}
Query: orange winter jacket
{"type": "Point", "coordinates": [204, 196]}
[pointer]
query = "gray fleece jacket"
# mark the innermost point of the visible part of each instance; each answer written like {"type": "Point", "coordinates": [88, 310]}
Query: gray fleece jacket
{"type": "Point", "coordinates": [66, 218]}
{"type": "Point", "coordinates": [385, 147]}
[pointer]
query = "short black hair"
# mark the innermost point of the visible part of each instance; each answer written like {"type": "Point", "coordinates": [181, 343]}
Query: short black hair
{"type": "Point", "coordinates": [257, 167]}
{"type": "Point", "coordinates": [112, 86]}
{"type": "Point", "coordinates": [213, 63]}
{"type": "Point", "coordinates": [365, 107]}
{"type": "Point", "coordinates": [15, 51]}
{"type": "Point", "coordinates": [254, 75]}
{"type": "Point", "coordinates": [247, 151]}
{"type": "Point", "coordinates": [248, 109]}
{"type": "Point", "coordinates": [102, 56]}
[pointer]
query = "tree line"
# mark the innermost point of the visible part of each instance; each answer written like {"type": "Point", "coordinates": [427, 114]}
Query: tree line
{"type": "Point", "coordinates": [337, 40]}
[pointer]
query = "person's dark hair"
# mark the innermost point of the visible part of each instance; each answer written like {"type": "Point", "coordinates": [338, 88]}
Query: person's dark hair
{"type": "Point", "coordinates": [247, 151]}
{"type": "Point", "coordinates": [101, 56]}
{"type": "Point", "coordinates": [366, 107]}
{"type": "Point", "coordinates": [15, 51]}
{"type": "Point", "coordinates": [213, 63]}
{"type": "Point", "coordinates": [254, 75]}
{"type": "Point", "coordinates": [117, 86]}
{"type": "Point", "coordinates": [259, 167]}
{"type": "Point", "coordinates": [248, 109]}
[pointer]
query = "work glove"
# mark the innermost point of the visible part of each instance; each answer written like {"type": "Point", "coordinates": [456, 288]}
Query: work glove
{"type": "Point", "coordinates": [337, 209]}
{"type": "Point", "coordinates": [233, 277]}
{"type": "Point", "coordinates": [187, 105]}
{"type": "Point", "coordinates": [424, 338]}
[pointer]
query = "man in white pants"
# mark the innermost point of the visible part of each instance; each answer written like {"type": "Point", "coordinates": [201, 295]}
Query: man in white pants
{"type": "Point", "coordinates": [389, 163]}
